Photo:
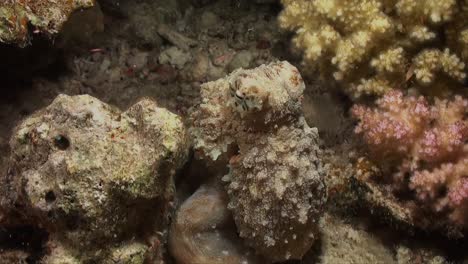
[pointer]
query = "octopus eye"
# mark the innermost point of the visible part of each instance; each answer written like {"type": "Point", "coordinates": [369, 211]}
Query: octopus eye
{"type": "Point", "coordinates": [240, 96]}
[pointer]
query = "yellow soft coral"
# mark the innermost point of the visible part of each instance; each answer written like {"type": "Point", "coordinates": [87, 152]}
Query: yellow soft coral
{"type": "Point", "coordinates": [372, 46]}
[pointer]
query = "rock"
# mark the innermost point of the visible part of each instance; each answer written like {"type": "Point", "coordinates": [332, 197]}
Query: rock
{"type": "Point", "coordinates": [145, 29]}
{"type": "Point", "coordinates": [203, 231]}
{"type": "Point", "coordinates": [133, 253]}
{"type": "Point", "coordinates": [115, 75]}
{"type": "Point", "coordinates": [215, 73]}
{"type": "Point", "coordinates": [145, 19]}
{"type": "Point", "coordinates": [82, 26]}
{"type": "Point", "coordinates": [242, 59]}
{"type": "Point", "coordinates": [45, 16]}
{"type": "Point", "coordinates": [175, 57]}
{"type": "Point", "coordinates": [176, 38]}
{"type": "Point", "coordinates": [220, 53]}
{"type": "Point", "coordinates": [138, 60]}
{"type": "Point", "coordinates": [263, 44]}
{"type": "Point", "coordinates": [94, 177]}
{"type": "Point", "coordinates": [342, 241]}
{"type": "Point", "coordinates": [13, 256]}
{"type": "Point", "coordinates": [200, 67]}
{"type": "Point", "coordinates": [211, 24]}
{"type": "Point", "coordinates": [105, 64]}
{"type": "Point", "coordinates": [201, 3]}
{"type": "Point", "coordinates": [208, 20]}
{"type": "Point", "coordinates": [164, 73]}
{"type": "Point", "coordinates": [407, 255]}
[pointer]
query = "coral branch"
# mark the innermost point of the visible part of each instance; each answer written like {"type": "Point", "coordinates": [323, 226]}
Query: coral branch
{"type": "Point", "coordinates": [427, 143]}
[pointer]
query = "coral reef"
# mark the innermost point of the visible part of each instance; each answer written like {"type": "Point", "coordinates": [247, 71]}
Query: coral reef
{"type": "Point", "coordinates": [165, 50]}
{"type": "Point", "coordinates": [45, 16]}
{"type": "Point", "coordinates": [252, 119]}
{"type": "Point", "coordinates": [422, 149]}
{"type": "Point", "coordinates": [204, 232]}
{"type": "Point", "coordinates": [371, 47]}
{"type": "Point", "coordinates": [416, 143]}
{"type": "Point", "coordinates": [99, 180]}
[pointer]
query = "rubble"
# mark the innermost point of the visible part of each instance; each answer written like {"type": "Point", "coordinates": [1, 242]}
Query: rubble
{"type": "Point", "coordinates": [87, 173]}
{"type": "Point", "coordinates": [176, 38]}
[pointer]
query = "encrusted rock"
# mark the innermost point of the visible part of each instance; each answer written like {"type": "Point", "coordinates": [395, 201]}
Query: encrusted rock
{"type": "Point", "coordinates": [46, 16]}
{"type": "Point", "coordinates": [94, 177]}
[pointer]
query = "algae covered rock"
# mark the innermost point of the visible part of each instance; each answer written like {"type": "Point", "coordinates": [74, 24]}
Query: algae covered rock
{"type": "Point", "coordinates": [204, 232]}
{"type": "Point", "coordinates": [94, 176]}
{"type": "Point", "coordinates": [252, 119]}
{"type": "Point", "coordinates": [45, 16]}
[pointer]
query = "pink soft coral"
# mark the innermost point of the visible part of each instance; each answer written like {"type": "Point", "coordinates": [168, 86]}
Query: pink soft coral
{"type": "Point", "coordinates": [394, 124]}
{"type": "Point", "coordinates": [428, 146]}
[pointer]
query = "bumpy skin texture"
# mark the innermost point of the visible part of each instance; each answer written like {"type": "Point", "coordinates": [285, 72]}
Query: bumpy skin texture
{"type": "Point", "coordinates": [373, 46]}
{"type": "Point", "coordinates": [244, 101]}
{"type": "Point", "coordinates": [204, 232]}
{"type": "Point", "coordinates": [45, 15]}
{"type": "Point", "coordinates": [281, 168]}
{"type": "Point", "coordinates": [423, 148]}
{"type": "Point", "coordinates": [92, 175]}
{"type": "Point", "coordinates": [275, 185]}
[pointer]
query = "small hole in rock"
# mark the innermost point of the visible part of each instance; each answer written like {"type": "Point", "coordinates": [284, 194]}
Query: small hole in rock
{"type": "Point", "coordinates": [50, 197]}
{"type": "Point", "coordinates": [61, 142]}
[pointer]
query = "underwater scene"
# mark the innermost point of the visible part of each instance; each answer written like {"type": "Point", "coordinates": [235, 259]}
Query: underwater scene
{"type": "Point", "coordinates": [233, 131]}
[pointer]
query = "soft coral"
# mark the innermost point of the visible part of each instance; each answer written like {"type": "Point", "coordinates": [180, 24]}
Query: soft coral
{"type": "Point", "coordinates": [425, 149]}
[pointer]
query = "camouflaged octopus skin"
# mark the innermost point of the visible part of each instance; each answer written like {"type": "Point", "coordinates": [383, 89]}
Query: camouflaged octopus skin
{"type": "Point", "coordinates": [94, 177]}
{"type": "Point", "coordinates": [252, 120]}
